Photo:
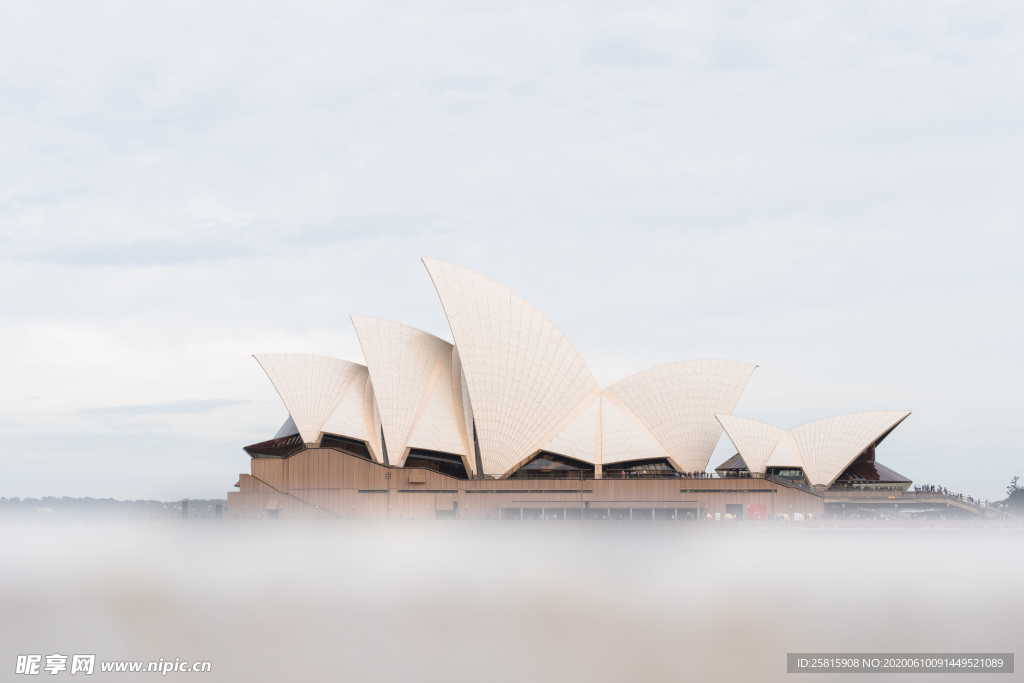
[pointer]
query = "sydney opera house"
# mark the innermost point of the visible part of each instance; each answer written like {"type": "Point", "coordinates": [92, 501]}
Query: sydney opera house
{"type": "Point", "coordinates": [508, 422]}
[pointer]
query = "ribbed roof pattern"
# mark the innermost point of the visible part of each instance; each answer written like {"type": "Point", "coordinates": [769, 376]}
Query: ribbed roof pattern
{"type": "Point", "coordinates": [828, 446]}
{"type": "Point", "coordinates": [823, 448]}
{"type": "Point", "coordinates": [418, 403]}
{"type": "Point", "coordinates": [309, 386]}
{"type": "Point", "coordinates": [516, 381]}
{"type": "Point", "coordinates": [678, 402]}
{"type": "Point", "coordinates": [755, 441]}
{"type": "Point", "coordinates": [524, 377]}
{"type": "Point", "coordinates": [625, 437]}
{"type": "Point", "coordinates": [580, 436]}
{"type": "Point", "coordinates": [355, 414]}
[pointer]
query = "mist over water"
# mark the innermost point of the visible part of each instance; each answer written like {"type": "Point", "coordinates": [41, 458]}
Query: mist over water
{"type": "Point", "coordinates": [466, 601]}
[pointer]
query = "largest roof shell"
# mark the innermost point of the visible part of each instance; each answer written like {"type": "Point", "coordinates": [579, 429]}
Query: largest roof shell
{"type": "Point", "coordinates": [523, 376]}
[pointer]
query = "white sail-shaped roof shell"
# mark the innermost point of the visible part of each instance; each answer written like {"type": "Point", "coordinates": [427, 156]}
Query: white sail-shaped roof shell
{"type": "Point", "coordinates": [355, 415]}
{"type": "Point", "coordinates": [459, 380]}
{"type": "Point", "coordinates": [580, 437]}
{"type": "Point", "coordinates": [828, 446]}
{"type": "Point", "coordinates": [824, 448]}
{"type": "Point", "coordinates": [602, 430]}
{"type": "Point", "coordinates": [677, 402]}
{"type": "Point", "coordinates": [625, 437]}
{"type": "Point", "coordinates": [516, 385]}
{"type": "Point", "coordinates": [523, 376]}
{"type": "Point", "coordinates": [309, 385]}
{"type": "Point", "coordinates": [418, 399]}
{"type": "Point", "coordinates": [754, 441]}
{"type": "Point", "coordinates": [786, 453]}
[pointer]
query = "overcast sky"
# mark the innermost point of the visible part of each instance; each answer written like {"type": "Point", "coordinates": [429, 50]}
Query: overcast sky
{"type": "Point", "coordinates": [830, 190]}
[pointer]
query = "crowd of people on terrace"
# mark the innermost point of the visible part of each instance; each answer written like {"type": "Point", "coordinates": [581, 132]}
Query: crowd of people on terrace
{"type": "Point", "coordinates": [943, 491]}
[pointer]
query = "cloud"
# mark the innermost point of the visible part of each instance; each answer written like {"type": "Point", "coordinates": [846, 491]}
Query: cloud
{"type": "Point", "coordinates": [171, 408]}
{"type": "Point", "coordinates": [137, 254]}
{"type": "Point", "coordinates": [221, 243]}
{"type": "Point", "coordinates": [625, 52]}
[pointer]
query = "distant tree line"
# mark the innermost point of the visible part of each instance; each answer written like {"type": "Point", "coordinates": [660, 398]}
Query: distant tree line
{"type": "Point", "coordinates": [1015, 496]}
{"type": "Point", "coordinates": [67, 508]}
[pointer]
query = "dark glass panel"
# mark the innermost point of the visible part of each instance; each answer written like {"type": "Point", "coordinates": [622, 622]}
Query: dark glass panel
{"type": "Point", "coordinates": [437, 461]}
{"type": "Point", "coordinates": [788, 474]}
{"type": "Point", "coordinates": [652, 468]}
{"type": "Point", "coordinates": [343, 443]}
{"type": "Point", "coordinates": [384, 447]}
{"type": "Point", "coordinates": [733, 464]}
{"type": "Point", "coordinates": [476, 454]}
{"type": "Point", "coordinates": [866, 471]}
{"type": "Point", "coordinates": [547, 465]}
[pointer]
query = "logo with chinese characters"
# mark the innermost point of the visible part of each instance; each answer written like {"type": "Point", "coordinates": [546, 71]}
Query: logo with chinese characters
{"type": "Point", "coordinates": [55, 664]}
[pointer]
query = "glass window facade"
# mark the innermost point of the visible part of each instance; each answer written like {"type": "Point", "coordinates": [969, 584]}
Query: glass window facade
{"type": "Point", "coordinates": [576, 513]}
{"type": "Point", "coordinates": [653, 468]}
{"type": "Point", "coordinates": [438, 461]}
{"type": "Point", "coordinates": [343, 443]}
{"type": "Point", "coordinates": [547, 465]}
